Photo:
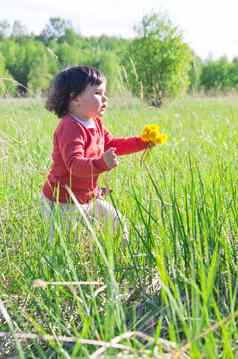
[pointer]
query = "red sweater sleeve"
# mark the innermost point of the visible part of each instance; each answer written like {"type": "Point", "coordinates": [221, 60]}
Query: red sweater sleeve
{"type": "Point", "coordinates": [71, 144]}
{"type": "Point", "coordinates": [123, 145]}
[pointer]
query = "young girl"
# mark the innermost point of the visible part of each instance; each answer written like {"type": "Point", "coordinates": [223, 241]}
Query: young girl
{"type": "Point", "coordinates": [82, 147]}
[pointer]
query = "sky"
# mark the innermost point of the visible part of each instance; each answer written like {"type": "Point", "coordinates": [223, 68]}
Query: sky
{"type": "Point", "coordinates": [209, 26]}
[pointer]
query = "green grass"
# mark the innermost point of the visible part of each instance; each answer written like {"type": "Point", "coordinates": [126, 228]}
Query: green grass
{"type": "Point", "coordinates": [176, 281]}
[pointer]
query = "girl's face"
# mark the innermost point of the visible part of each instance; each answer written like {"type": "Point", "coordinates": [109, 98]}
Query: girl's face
{"type": "Point", "coordinates": [92, 102]}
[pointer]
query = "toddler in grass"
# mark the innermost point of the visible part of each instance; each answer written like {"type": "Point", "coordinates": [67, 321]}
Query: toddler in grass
{"type": "Point", "coordinates": [83, 148]}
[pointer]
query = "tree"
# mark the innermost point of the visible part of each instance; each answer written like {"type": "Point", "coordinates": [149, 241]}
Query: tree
{"type": "Point", "coordinates": [234, 72]}
{"type": "Point", "coordinates": [30, 63]}
{"type": "Point", "coordinates": [39, 76]}
{"type": "Point", "coordinates": [7, 83]}
{"type": "Point", "coordinates": [67, 55]}
{"type": "Point", "coordinates": [217, 75]}
{"type": "Point", "coordinates": [194, 73]}
{"type": "Point", "coordinates": [5, 29]}
{"type": "Point", "coordinates": [158, 60]}
{"type": "Point", "coordinates": [19, 30]}
{"type": "Point", "coordinates": [70, 37]}
{"type": "Point", "coordinates": [55, 29]}
{"type": "Point", "coordinates": [108, 63]}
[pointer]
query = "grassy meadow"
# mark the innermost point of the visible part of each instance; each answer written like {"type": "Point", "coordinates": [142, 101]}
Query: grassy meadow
{"type": "Point", "coordinates": [173, 292]}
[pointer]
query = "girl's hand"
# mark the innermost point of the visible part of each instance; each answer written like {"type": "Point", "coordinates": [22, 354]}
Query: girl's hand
{"type": "Point", "coordinates": [110, 158]}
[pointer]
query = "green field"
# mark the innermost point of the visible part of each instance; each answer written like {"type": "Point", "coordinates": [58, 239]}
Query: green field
{"type": "Point", "coordinates": [173, 292]}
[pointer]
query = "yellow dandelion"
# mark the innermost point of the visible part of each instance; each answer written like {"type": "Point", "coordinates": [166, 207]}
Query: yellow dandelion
{"type": "Point", "coordinates": [151, 133]}
{"type": "Point", "coordinates": [158, 140]}
{"type": "Point", "coordinates": [146, 137]}
{"type": "Point", "coordinates": [154, 127]}
{"type": "Point", "coordinates": [164, 138]}
{"type": "Point", "coordinates": [161, 139]}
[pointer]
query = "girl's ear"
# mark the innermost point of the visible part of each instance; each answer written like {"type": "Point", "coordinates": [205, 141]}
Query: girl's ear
{"type": "Point", "coordinates": [76, 99]}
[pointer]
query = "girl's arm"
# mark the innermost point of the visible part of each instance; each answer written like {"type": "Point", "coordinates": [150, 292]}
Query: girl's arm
{"type": "Point", "coordinates": [124, 145]}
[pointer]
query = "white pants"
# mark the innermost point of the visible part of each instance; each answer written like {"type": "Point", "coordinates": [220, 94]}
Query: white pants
{"type": "Point", "coordinates": [98, 210]}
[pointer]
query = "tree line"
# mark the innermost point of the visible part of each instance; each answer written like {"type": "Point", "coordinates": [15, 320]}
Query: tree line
{"type": "Point", "coordinates": [157, 63]}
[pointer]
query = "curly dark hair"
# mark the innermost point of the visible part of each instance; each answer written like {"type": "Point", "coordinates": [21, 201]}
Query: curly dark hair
{"type": "Point", "coordinates": [68, 84]}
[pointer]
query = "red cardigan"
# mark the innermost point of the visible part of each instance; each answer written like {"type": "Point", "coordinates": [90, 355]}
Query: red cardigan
{"type": "Point", "coordinates": [78, 158]}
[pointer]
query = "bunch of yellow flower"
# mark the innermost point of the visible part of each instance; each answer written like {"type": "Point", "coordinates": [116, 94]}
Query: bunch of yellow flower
{"type": "Point", "coordinates": [151, 133]}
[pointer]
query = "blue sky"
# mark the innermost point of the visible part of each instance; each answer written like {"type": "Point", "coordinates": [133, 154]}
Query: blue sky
{"type": "Point", "coordinates": [209, 26]}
